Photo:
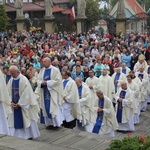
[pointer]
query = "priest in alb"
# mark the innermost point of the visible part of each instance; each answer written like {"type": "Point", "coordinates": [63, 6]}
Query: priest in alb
{"type": "Point", "coordinates": [134, 87]}
{"type": "Point", "coordinates": [51, 95]}
{"type": "Point", "coordinates": [23, 120]}
{"type": "Point", "coordinates": [5, 107]}
{"type": "Point", "coordinates": [106, 121]}
{"type": "Point", "coordinates": [106, 85]}
{"type": "Point", "coordinates": [124, 108]}
{"type": "Point", "coordinates": [118, 77]}
{"type": "Point", "coordinates": [93, 84]}
{"type": "Point", "coordinates": [85, 101]}
{"type": "Point", "coordinates": [143, 76]}
{"type": "Point", "coordinates": [125, 69]}
{"type": "Point", "coordinates": [71, 106]}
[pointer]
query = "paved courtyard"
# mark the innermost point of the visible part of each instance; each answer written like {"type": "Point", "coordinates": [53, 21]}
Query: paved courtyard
{"type": "Point", "coordinates": [67, 139]}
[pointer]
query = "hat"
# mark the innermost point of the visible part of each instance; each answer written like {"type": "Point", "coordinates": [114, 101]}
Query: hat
{"type": "Point", "coordinates": [141, 57]}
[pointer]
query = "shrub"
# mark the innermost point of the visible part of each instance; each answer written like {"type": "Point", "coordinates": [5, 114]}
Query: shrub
{"type": "Point", "coordinates": [131, 143]}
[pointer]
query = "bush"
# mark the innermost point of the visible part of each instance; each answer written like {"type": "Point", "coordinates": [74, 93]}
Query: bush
{"type": "Point", "coordinates": [131, 143]}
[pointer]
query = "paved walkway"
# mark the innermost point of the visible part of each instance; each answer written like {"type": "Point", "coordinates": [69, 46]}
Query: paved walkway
{"type": "Point", "coordinates": [67, 139]}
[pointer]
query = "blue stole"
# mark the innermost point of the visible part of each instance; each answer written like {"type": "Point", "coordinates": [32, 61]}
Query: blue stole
{"type": "Point", "coordinates": [8, 78]}
{"type": "Point", "coordinates": [99, 119]}
{"type": "Point", "coordinates": [65, 83]}
{"type": "Point", "coordinates": [120, 108]}
{"type": "Point", "coordinates": [149, 70]}
{"type": "Point", "coordinates": [141, 75]}
{"type": "Point", "coordinates": [116, 78]}
{"type": "Point", "coordinates": [80, 91]}
{"type": "Point", "coordinates": [47, 96]}
{"type": "Point", "coordinates": [124, 71]}
{"type": "Point", "coordinates": [80, 96]}
{"type": "Point", "coordinates": [18, 119]}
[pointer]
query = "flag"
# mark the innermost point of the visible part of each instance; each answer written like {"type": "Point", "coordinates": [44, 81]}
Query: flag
{"type": "Point", "coordinates": [72, 13]}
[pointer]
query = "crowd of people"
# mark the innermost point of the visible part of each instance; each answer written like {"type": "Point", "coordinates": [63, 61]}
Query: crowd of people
{"type": "Point", "coordinates": [90, 82]}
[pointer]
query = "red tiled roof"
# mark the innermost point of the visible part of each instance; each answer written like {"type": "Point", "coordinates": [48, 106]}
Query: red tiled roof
{"type": "Point", "coordinates": [137, 8]}
{"type": "Point", "coordinates": [66, 11]}
{"type": "Point", "coordinates": [32, 7]}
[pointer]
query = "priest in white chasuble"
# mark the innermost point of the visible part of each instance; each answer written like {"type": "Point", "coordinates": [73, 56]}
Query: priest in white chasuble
{"type": "Point", "coordinates": [135, 91]}
{"type": "Point", "coordinates": [125, 69]}
{"type": "Point", "coordinates": [5, 107]}
{"type": "Point", "coordinates": [85, 101]}
{"type": "Point", "coordinates": [106, 85]}
{"type": "Point", "coordinates": [23, 120]}
{"type": "Point", "coordinates": [118, 77]}
{"type": "Point", "coordinates": [143, 76]}
{"type": "Point", "coordinates": [125, 108]}
{"type": "Point", "coordinates": [71, 107]}
{"type": "Point", "coordinates": [51, 95]}
{"type": "Point", "coordinates": [106, 121]}
{"type": "Point", "coordinates": [93, 84]}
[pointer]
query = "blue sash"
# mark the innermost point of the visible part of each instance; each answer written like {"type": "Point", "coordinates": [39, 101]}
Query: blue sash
{"type": "Point", "coordinates": [47, 96]}
{"type": "Point", "coordinates": [124, 70]}
{"type": "Point", "coordinates": [149, 70]}
{"type": "Point", "coordinates": [18, 119]}
{"type": "Point", "coordinates": [65, 83]}
{"type": "Point", "coordinates": [80, 91]}
{"type": "Point", "coordinates": [99, 119]}
{"type": "Point", "coordinates": [120, 108]}
{"type": "Point", "coordinates": [8, 78]}
{"type": "Point", "coordinates": [116, 78]}
{"type": "Point", "coordinates": [141, 75]}
{"type": "Point", "coordinates": [79, 124]}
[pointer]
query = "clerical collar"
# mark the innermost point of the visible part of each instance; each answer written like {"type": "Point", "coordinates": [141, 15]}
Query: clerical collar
{"type": "Point", "coordinates": [18, 77]}
{"type": "Point", "coordinates": [124, 89]}
{"type": "Point", "coordinates": [49, 67]}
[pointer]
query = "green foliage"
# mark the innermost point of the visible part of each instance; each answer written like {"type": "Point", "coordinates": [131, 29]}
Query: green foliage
{"type": "Point", "coordinates": [3, 18]}
{"type": "Point", "coordinates": [113, 3]}
{"type": "Point", "coordinates": [131, 143]}
{"type": "Point", "coordinates": [92, 11]}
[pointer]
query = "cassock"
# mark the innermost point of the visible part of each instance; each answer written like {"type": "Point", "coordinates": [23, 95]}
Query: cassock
{"type": "Point", "coordinates": [95, 83]}
{"type": "Point", "coordinates": [85, 101]}
{"type": "Point", "coordinates": [125, 109]}
{"type": "Point", "coordinates": [137, 103]}
{"type": "Point", "coordinates": [51, 96]}
{"type": "Point", "coordinates": [5, 108]}
{"type": "Point", "coordinates": [71, 106]}
{"type": "Point", "coordinates": [120, 77]}
{"type": "Point", "coordinates": [106, 121]}
{"type": "Point", "coordinates": [125, 70]}
{"type": "Point", "coordinates": [23, 121]}
{"type": "Point", "coordinates": [107, 86]}
{"type": "Point", "coordinates": [143, 89]}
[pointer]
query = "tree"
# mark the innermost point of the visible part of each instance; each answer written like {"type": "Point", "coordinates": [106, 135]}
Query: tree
{"type": "Point", "coordinates": [3, 18]}
{"type": "Point", "coordinates": [92, 11]}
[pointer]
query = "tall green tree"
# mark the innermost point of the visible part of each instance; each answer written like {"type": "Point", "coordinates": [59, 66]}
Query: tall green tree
{"type": "Point", "coordinates": [3, 18]}
{"type": "Point", "coordinates": [92, 11]}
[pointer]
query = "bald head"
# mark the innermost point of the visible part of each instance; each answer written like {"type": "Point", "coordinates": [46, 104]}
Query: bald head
{"type": "Point", "coordinates": [78, 81]}
{"type": "Point", "coordinates": [124, 85]}
{"type": "Point", "coordinates": [46, 62]}
{"type": "Point", "coordinates": [100, 94]}
{"type": "Point", "coordinates": [14, 71]}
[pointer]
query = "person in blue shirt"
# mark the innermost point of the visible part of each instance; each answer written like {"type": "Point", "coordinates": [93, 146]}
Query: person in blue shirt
{"type": "Point", "coordinates": [78, 73]}
{"type": "Point", "coordinates": [126, 58]}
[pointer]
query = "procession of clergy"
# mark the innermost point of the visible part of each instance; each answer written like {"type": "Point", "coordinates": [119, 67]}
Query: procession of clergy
{"type": "Point", "coordinates": [98, 105]}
